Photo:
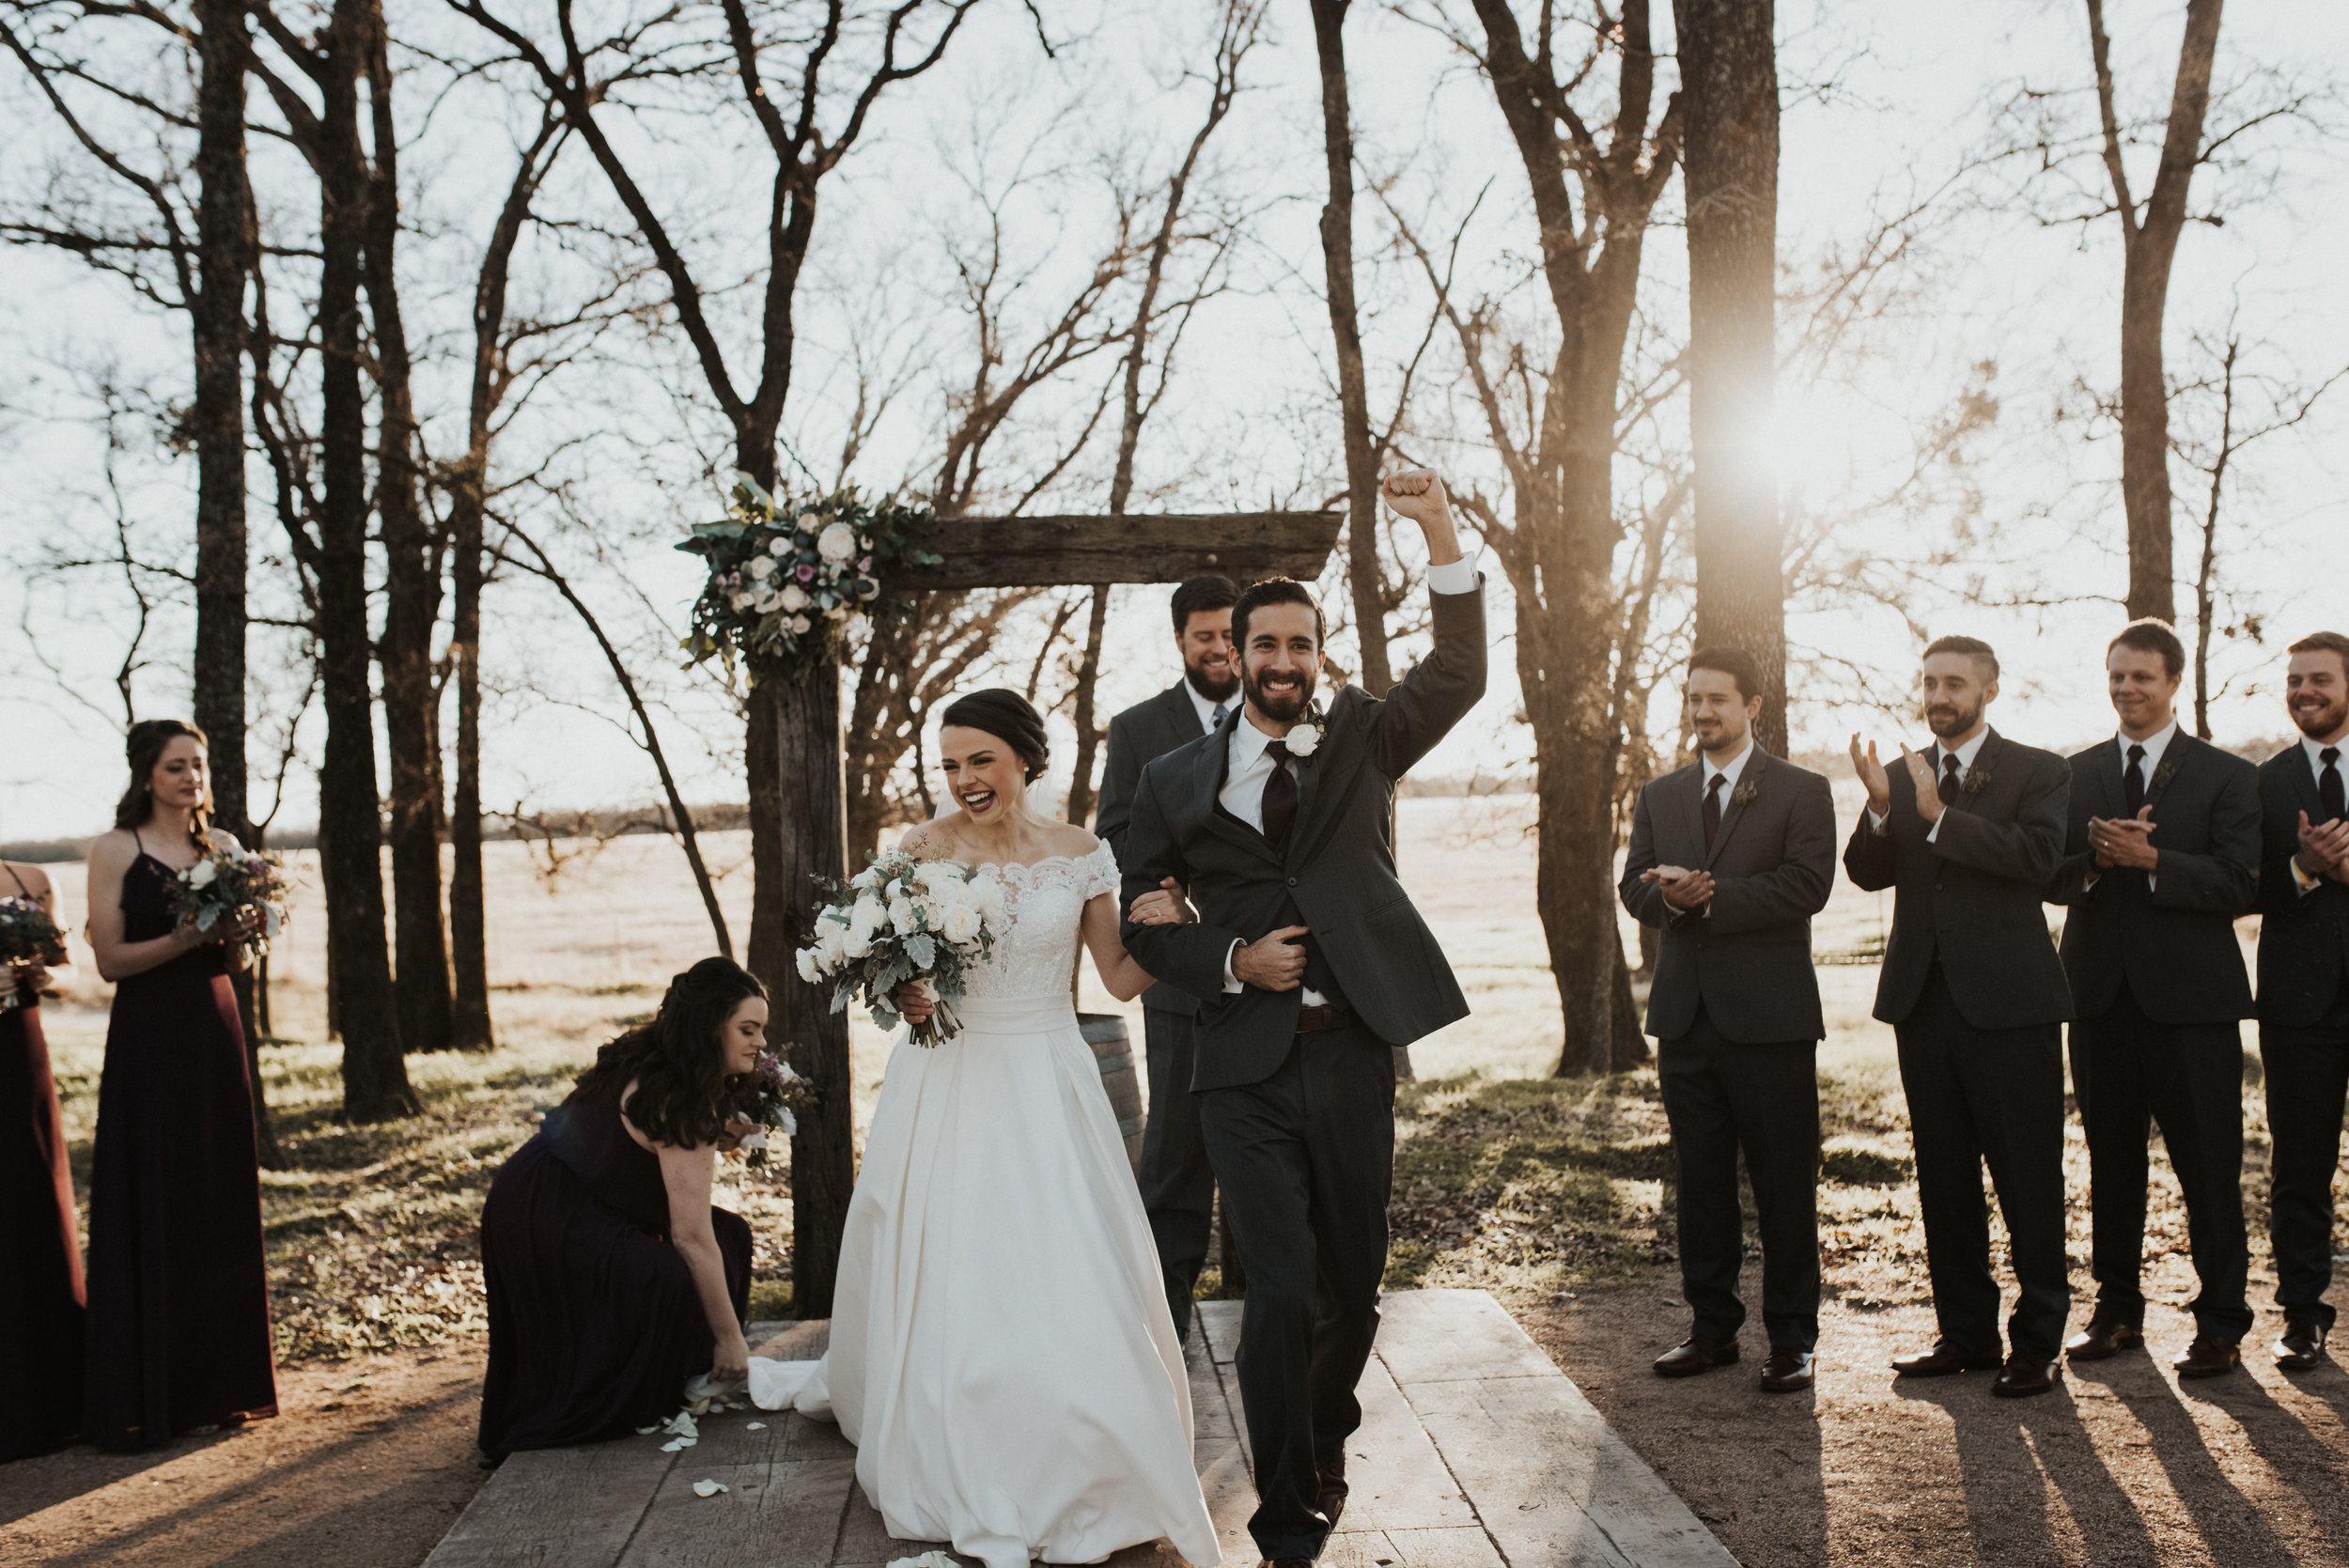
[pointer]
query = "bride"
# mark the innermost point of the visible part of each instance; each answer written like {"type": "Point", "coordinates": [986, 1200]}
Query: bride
{"type": "Point", "coordinates": [1002, 1352]}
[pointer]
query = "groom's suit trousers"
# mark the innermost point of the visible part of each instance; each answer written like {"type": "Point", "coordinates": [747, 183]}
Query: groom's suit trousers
{"type": "Point", "coordinates": [1305, 1160]}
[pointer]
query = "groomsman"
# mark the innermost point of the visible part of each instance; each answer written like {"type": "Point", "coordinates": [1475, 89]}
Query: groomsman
{"type": "Point", "coordinates": [1732, 855]}
{"type": "Point", "coordinates": [1967, 837]}
{"type": "Point", "coordinates": [2161, 854]}
{"type": "Point", "coordinates": [2303, 984]}
{"type": "Point", "coordinates": [1177, 1187]}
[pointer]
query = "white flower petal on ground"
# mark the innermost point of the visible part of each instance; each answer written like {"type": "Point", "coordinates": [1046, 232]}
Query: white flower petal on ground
{"type": "Point", "coordinates": [754, 1426]}
{"type": "Point", "coordinates": [709, 1488]}
{"type": "Point", "coordinates": [675, 1444]}
{"type": "Point", "coordinates": [928, 1559]}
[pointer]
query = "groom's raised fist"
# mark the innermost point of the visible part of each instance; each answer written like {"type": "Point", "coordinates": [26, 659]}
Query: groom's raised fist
{"type": "Point", "coordinates": [1417, 493]}
{"type": "Point", "coordinates": [1273, 962]}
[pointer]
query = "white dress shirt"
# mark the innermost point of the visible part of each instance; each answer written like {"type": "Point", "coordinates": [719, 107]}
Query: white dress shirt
{"type": "Point", "coordinates": [1727, 771]}
{"type": "Point", "coordinates": [1965, 754]}
{"type": "Point", "coordinates": [1248, 767]}
{"type": "Point", "coordinates": [1203, 707]}
{"type": "Point", "coordinates": [2155, 745]}
{"type": "Point", "coordinates": [2309, 748]}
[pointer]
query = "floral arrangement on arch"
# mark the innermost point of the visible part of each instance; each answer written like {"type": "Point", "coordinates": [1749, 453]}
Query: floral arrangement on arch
{"type": "Point", "coordinates": [789, 574]}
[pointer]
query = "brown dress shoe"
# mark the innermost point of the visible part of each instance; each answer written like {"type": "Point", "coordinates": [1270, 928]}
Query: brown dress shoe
{"type": "Point", "coordinates": [2208, 1358]}
{"type": "Point", "coordinates": [2102, 1338]}
{"type": "Point", "coordinates": [1287, 1562]}
{"type": "Point", "coordinates": [1943, 1359]}
{"type": "Point", "coordinates": [1786, 1371]}
{"type": "Point", "coordinates": [2302, 1345]}
{"type": "Point", "coordinates": [1329, 1489]}
{"type": "Point", "coordinates": [1694, 1355]}
{"type": "Point", "coordinates": [2025, 1374]}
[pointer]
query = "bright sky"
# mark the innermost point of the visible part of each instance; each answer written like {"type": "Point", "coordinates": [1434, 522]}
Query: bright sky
{"type": "Point", "coordinates": [1882, 104]}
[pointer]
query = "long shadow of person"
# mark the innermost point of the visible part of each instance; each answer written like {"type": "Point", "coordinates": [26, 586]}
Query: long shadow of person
{"type": "Point", "coordinates": [2300, 1459]}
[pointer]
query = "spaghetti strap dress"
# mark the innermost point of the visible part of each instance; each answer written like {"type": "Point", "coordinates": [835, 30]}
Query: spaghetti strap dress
{"type": "Point", "coordinates": [178, 1292]}
{"type": "Point", "coordinates": [595, 1322]}
{"type": "Point", "coordinates": [41, 1249]}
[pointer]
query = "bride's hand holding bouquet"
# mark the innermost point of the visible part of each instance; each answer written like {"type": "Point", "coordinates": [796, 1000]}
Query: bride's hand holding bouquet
{"type": "Point", "coordinates": [906, 925]}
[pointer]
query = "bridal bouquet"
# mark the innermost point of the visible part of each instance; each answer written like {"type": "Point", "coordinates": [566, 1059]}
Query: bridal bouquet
{"type": "Point", "coordinates": [30, 937]}
{"type": "Point", "coordinates": [772, 1100]}
{"type": "Point", "coordinates": [906, 920]}
{"type": "Point", "coordinates": [223, 888]}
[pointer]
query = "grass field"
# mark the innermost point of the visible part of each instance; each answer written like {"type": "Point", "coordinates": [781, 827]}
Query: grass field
{"type": "Point", "coordinates": [1532, 1187]}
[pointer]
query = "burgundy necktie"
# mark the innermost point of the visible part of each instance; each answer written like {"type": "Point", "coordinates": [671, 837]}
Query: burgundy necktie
{"type": "Point", "coordinates": [1713, 808]}
{"type": "Point", "coordinates": [1280, 793]}
{"type": "Point", "coordinates": [1950, 765]}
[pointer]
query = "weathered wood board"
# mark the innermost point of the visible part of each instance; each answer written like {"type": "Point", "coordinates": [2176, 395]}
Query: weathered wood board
{"type": "Point", "coordinates": [1475, 1451]}
{"type": "Point", "coordinates": [1057, 551]}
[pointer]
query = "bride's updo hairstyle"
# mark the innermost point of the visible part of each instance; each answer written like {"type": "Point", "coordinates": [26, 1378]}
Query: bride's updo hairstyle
{"type": "Point", "coordinates": [1010, 718]}
{"type": "Point", "coordinates": [683, 1090]}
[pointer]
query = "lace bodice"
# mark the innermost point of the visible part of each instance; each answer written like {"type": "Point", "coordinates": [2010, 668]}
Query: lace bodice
{"type": "Point", "coordinates": [1045, 904]}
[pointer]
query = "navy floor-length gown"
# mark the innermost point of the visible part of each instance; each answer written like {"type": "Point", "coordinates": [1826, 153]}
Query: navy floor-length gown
{"type": "Point", "coordinates": [595, 1322]}
{"type": "Point", "coordinates": [179, 1292]}
{"type": "Point", "coordinates": [40, 1254]}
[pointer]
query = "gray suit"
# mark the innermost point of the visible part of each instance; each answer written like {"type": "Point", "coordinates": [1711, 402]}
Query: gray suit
{"type": "Point", "coordinates": [1177, 1183]}
{"type": "Point", "coordinates": [1736, 1004]}
{"type": "Point", "coordinates": [1300, 1127]}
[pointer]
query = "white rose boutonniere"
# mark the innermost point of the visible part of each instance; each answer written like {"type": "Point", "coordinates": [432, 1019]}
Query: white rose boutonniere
{"type": "Point", "coordinates": [1305, 739]}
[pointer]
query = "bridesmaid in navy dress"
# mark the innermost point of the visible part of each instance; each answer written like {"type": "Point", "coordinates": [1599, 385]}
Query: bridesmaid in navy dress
{"type": "Point", "coordinates": [179, 1337]}
{"type": "Point", "coordinates": [612, 1280]}
{"type": "Point", "coordinates": [41, 1251]}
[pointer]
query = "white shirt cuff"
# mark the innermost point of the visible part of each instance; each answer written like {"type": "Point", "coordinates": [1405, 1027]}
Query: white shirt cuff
{"type": "Point", "coordinates": [1876, 824]}
{"type": "Point", "coordinates": [1231, 980]}
{"type": "Point", "coordinates": [1453, 576]}
{"type": "Point", "coordinates": [1935, 832]}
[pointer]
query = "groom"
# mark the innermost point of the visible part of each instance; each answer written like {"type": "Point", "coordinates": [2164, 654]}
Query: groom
{"type": "Point", "coordinates": [1310, 964]}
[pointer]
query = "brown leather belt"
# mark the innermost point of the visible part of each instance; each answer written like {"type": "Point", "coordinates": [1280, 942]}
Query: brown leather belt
{"type": "Point", "coordinates": [1313, 1020]}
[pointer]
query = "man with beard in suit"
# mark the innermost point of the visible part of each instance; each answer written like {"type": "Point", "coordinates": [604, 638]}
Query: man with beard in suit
{"type": "Point", "coordinates": [1732, 855]}
{"type": "Point", "coordinates": [2303, 984]}
{"type": "Point", "coordinates": [2161, 853]}
{"type": "Point", "coordinates": [1177, 1185]}
{"type": "Point", "coordinates": [1974, 992]}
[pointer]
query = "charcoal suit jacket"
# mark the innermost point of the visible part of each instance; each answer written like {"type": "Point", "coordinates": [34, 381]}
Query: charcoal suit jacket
{"type": "Point", "coordinates": [1746, 959]}
{"type": "Point", "coordinates": [1140, 736]}
{"type": "Point", "coordinates": [2170, 935]}
{"type": "Point", "coordinates": [1334, 872]}
{"type": "Point", "coordinates": [2304, 936]}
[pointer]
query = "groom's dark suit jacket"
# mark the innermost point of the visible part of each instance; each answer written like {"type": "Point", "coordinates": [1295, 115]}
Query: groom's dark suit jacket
{"type": "Point", "coordinates": [1748, 962]}
{"type": "Point", "coordinates": [2170, 937]}
{"type": "Point", "coordinates": [1971, 897]}
{"type": "Point", "coordinates": [1138, 736]}
{"type": "Point", "coordinates": [1335, 875]}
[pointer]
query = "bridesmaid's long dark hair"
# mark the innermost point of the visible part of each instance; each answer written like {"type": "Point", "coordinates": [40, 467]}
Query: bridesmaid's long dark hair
{"type": "Point", "coordinates": [143, 747]}
{"type": "Point", "coordinates": [683, 1090]}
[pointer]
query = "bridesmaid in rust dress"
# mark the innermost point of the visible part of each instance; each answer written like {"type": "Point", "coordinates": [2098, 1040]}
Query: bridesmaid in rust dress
{"type": "Point", "coordinates": [178, 1338]}
{"type": "Point", "coordinates": [40, 1253]}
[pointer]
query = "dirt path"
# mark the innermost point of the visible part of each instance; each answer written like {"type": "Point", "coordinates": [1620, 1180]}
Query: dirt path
{"type": "Point", "coordinates": [2122, 1466]}
{"type": "Point", "coordinates": [370, 1463]}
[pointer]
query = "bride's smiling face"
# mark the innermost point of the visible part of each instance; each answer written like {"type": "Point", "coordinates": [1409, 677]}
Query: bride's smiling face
{"type": "Point", "coordinates": [987, 777]}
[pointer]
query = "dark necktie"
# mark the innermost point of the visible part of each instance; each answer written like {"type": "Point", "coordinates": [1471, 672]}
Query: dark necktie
{"type": "Point", "coordinates": [1950, 765]}
{"type": "Point", "coordinates": [2328, 784]}
{"type": "Point", "coordinates": [1280, 793]}
{"type": "Point", "coordinates": [1713, 808]}
{"type": "Point", "coordinates": [1221, 710]}
{"type": "Point", "coordinates": [2133, 781]}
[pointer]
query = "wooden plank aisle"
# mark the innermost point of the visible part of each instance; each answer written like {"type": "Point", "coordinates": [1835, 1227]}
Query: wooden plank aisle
{"type": "Point", "coordinates": [1475, 1451]}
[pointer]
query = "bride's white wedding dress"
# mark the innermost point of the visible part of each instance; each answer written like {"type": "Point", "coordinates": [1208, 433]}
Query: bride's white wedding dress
{"type": "Point", "coordinates": [1001, 1352]}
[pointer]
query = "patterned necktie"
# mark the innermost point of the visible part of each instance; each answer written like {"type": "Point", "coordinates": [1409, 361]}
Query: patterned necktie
{"type": "Point", "coordinates": [1280, 793]}
{"type": "Point", "coordinates": [2133, 781]}
{"type": "Point", "coordinates": [2328, 784]}
{"type": "Point", "coordinates": [1221, 710]}
{"type": "Point", "coordinates": [1950, 765]}
{"type": "Point", "coordinates": [1713, 808]}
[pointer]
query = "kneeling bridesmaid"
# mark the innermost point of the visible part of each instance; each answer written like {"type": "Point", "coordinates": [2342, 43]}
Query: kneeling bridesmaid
{"type": "Point", "coordinates": [612, 1280]}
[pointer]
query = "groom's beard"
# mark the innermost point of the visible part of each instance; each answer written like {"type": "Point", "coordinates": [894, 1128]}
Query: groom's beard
{"type": "Point", "coordinates": [1284, 705]}
{"type": "Point", "coordinates": [1217, 686]}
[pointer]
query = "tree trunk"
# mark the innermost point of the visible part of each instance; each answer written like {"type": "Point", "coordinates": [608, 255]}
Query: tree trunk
{"type": "Point", "coordinates": [1088, 734]}
{"type": "Point", "coordinates": [412, 605]}
{"type": "Point", "coordinates": [470, 1026]}
{"type": "Point", "coordinates": [794, 734]}
{"type": "Point", "coordinates": [1729, 104]}
{"type": "Point", "coordinates": [375, 1079]}
{"type": "Point", "coordinates": [1363, 573]}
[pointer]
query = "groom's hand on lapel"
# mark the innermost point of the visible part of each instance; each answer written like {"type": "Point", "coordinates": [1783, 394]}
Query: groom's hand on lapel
{"type": "Point", "coordinates": [1273, 962]}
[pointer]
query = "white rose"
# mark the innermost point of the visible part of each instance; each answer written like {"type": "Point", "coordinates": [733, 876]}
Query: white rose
{"type": "Point", "coordinates": [764, 601]}
{"type": "Point", "coordinates": [810, 964]}
{"type": "Point", "coordinates": [962, 924]}
{"type": "Point", "coordinates": [794, 597]}
{"type": "Point", "coordinates": [800, 624]}
{"type": "Point", "coordinates": [779, 546]}
{"type": "Point", "coordinates": [836, 543]}
{"type": "Point", "coordinates": [854, 946]}
{"type": "Point", "coordinates": [1304, 740]}
{"type": "Point", "coordinates": [762, 566]}
{"type": "Point", "coordinates": [805, 522]}
{"type": "Point", "coordinates": [869, 877]}
{"type": "Point", "coordinates": [865, 918]}
{"type": "Point", "coordinates": [202, 874]}
{"type": "Point", "coordinates": [741, 602]}
{"type": "Point", "coordinates": [902, 916]}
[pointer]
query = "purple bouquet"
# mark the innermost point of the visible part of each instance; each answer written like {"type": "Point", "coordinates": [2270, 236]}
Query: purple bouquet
{"type": "Point", "coordinates": [30, 939]}
{"type": "Point", "coordinates": [771, 1098]}
{"type": "Point", "coordinates": [224, 887]}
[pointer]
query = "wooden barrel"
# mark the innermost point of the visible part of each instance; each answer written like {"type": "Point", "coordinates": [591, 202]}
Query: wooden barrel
{"type": "Point", "coordinates": [1113, 1051]}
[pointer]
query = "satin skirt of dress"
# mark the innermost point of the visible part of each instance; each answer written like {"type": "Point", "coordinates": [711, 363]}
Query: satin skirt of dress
{"type": "Point", "coordinates": [1002, 1352]}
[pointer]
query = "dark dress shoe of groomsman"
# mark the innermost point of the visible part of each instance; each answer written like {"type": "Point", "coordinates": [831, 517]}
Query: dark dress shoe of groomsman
{"type": "Point", "coordinates": [1329, 1489]}
{"type": "Point", "coordinates": [2208, 1356]}
{"type": "Point", "coordinates": [2025, 1374]}
{"type": "Point", "coordinates": [1787, 1372]}
{"type": "Point", "coordinates": [1945, 1360]}
{"type": "Point", "coordinates": [2161, 854]}
{"type": "Point", "coordinates": [2302, 1345]}
{"type": "Point", "coordinates": [2103, 1338]}
{"type": "Point", "coordinates": [2304, 972]}
{"type": "Point", "coordinates": [1731, 856]}
{"type": "Point", "coordinates": [1694, 1355]}
{"type": "Point", "coordinates": [1967, 833]}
